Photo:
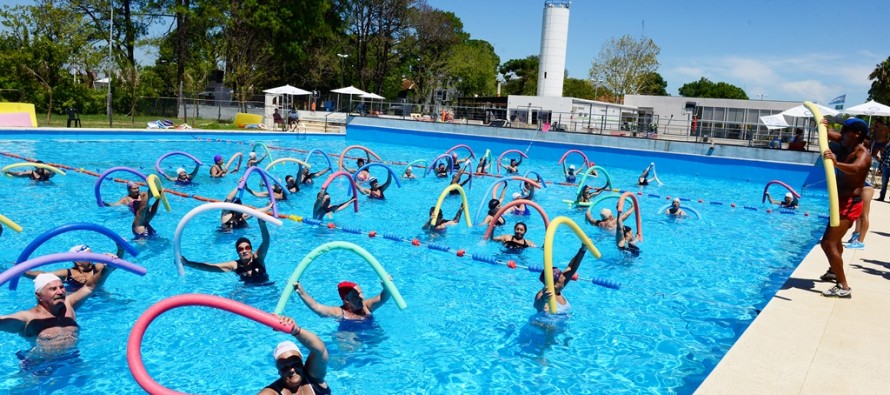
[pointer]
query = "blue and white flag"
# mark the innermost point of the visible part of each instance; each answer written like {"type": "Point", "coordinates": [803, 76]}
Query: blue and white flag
{"type": "Point", "coordinates": [838, 100]}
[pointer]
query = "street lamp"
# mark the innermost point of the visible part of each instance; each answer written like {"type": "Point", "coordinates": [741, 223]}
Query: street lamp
{"type": "Point", "coordinates": [342, 57]}
{"type": "Point", "coordinates": [762, 95]}
{"type": "Point", "coordinates": [596, 87]}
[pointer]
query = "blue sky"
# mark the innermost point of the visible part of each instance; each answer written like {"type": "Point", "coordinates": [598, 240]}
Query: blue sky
{"type": "Point", "coordinates": [786, 50]}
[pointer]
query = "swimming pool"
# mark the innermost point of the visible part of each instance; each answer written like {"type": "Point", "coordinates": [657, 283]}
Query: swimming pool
{"type": "Point", "coordinates": [682, 303]}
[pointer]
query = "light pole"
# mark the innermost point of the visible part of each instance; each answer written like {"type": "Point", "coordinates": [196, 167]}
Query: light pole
{"type": "Point", "coordinates": [762, 95]}
{"type": "Point", "coordinates": [342, 57]}
{"type": "Point", "coordinates": [596, 87]}
{"type": "Point", "coordinates": [110, 59]}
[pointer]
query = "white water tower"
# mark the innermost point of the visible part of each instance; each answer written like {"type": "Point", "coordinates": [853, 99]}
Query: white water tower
{"type": "Point", "coordinates": [554, 40]}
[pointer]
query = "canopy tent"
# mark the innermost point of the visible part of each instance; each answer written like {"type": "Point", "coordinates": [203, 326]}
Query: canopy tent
{"type": "Point", "coordinates": [872, 108]}
{"type": "Point", "coordinates": [776, 121]}
{"type": "Point", "coordinates": [349, 90]}
{"type": "Point", "coordinates": [286, 90]}
{"type": "Point", "coordinates": [372, 97]}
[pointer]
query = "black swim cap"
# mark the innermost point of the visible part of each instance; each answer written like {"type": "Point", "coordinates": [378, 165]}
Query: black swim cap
{"type": "Point", "coordinates": [493, 203]}
{"type": "Point", "coordinates": [242, 240]}
{"type": "Point", "coordinates": [627, 229]}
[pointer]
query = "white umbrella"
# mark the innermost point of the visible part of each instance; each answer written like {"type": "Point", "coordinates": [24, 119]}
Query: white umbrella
{"type": "Point", "coordinates": [287, 90]}
{"type": "Point", "coordinates": [871, 108]}
{"type": "Point", "coordinates": [802, 112]}
{"type": "Point", "coordinates": [349, 90]}
{"type": "Point", "coordinates": [372, 96]}
{"type": "Point", "coordinates": [774, 121]}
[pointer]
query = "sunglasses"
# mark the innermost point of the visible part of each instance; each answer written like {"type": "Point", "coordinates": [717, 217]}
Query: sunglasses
{"type": "Point", "coordinates": [296, 365]}
{"type": "Point", "coordinates": [244, 248]}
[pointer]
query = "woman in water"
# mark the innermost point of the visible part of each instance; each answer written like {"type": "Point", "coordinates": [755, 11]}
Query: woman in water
{"type": "Point", "coordinates": [561, 278]}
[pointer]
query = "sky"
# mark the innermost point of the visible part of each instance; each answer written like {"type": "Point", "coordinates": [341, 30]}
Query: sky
{"type": "Point", "coordinates": [773, 49]}
{"type": "Point", "coordinates": [780, 49]}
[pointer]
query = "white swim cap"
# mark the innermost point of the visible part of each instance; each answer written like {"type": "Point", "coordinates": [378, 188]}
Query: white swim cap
{"type": "Point", "coordinates": [44, 278]}
{"type": "Point", "coordinates": [789, 195]}
{"type": "Point", "coordinates": [252, 155]}
{"type": "Point", "coordinates": [572, 167]}
{"type": "Point", "coordinates": [517, 195]}
{"type": "Point", "coordinates": [180, 170]}
{"type": "Point", "coordinates": [677, 200]}
{"type": "Point", "coordinates": [284, 347]}
{"type": "Point", "coordinates": [606, 212]}
{"type": "Point", "coordinates": [80, 248]}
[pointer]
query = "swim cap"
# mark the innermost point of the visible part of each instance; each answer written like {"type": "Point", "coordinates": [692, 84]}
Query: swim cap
{"type": "Point", "coordinates": [789, 195]}
{"type": "Point", "coordinates": [571, 167]}
{"type": "Point", "coordinates": [556, 273]}
{"type": "Point", "coordinates": [44, 278]}
{"type": "Point", "coordinates": [606, 212]}
{"type": "Point", "coordinates": [344, 287]}
{"type": "Point", "coordinates": [131, 184]}
{"type": "Point", "coordinates": [677, 200]}
{"type": "Point", "coordinates": [252, 155]}
{"type": "Point", "coordinates": [80, 248]}
{"type": "Point", "coordinates": [493, 203]}
{"type": "Point", "coordinates": [517, 195]}
{"type": "Point", "coordinates": [284, 347]}
{"type": "Point", "coordinates": [217, 158]}
{"type": "Point", "coordinates": [180, 170]}
{"type": "Point", "coordinates": [372, 180]}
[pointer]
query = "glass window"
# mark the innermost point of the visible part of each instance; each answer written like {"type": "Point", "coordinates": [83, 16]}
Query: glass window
{"type": "Point", "coordinates": [719, 114]}
{"type": "Point", "coordinates": [707, 113]}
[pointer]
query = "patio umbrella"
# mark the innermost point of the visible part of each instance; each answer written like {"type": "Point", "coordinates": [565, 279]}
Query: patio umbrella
{"type": "Point", "coordinates": [372, 96]}
{"type": "Point", "coordinates": [287, 90]}
{"type": "Point", "coordinates": [774, 121]}
{"type": "Point", "coordinates": [349, 90]}
{"type": "Point", "coordinates": [871, 108]}
{"type": "Point", "coordinates": [802, 112]}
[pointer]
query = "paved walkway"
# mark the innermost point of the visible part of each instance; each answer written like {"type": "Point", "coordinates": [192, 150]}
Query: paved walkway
{"type": "Point", "coordinates": [803, 343]}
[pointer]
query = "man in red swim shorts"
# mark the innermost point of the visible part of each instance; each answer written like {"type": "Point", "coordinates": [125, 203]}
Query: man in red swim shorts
{"type": "Point", "coordinates": [852, 161]}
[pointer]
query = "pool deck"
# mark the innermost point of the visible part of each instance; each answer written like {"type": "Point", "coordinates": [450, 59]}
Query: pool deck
{"type": "Point", "coordinates": [803, 343]}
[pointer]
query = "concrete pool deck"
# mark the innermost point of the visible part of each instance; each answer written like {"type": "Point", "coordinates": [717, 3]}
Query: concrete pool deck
{"type": "Point", "coordinates": [803, 343]}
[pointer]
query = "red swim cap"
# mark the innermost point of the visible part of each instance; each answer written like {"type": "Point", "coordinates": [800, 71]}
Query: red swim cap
{"type": "Point", "coordinates": [344, 287]}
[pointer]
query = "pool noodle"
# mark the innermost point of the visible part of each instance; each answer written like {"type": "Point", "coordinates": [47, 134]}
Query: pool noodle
{"type": "Point", "coordinates": [548, 253]}
{"type": "Point", "coordinates": [318, 251]}
{"type": "Point", "coordinates": [463, 196]}
{"type": "Point", "coordinates": [501, 157]}
{"type": "Point", "coordinates": [834, 218]}
{"type": "Point", "coordinates": [504, 208]}
{"type": "Point", "coordinates": [636, 208]}
{"type": "Point", "coordinates": [177, 234]}
{"type": "Point", "coordinates": [513, 178]}
{"type": "Point", "coordinates": [283, 160]}
{"type": "Point", "coordinates": [323, 155]}
{"type": "Point", "coordinates": [157, 190]}
{"type": "Point", "coordinates": [472, 154]}
{"type": "Point", "coordinates": [15, 272]}
{"type": "Point", "coordinates": [105, 174]}
{"type": "Point", "coordinates": [134, 341]}
{"type": "Point", "coordinates": [425, 163]}
{"type": "Point", "coordinates": [368, 154]}
{"type": "Point", "coordinates": [484, 201]}
{"type": "Point", "coordinates": [348, 176]}
{"type": "Point", "coordinates": [265, 176]}
{"type": "Point", "coordinates": [565, 155]}
{"type": "Point", "coordinates": [389, 169]}
{"type": "Point", "coordinates": [32, 164]}
{"type": "Point", "coordinates": [540, 180]}
{"type": "Point", "coordinates": [10, 223]}
{"type": "Point", "coordinates": [450, 164]}
{"type": "Point", "coordinates": [600, 170]}
{"type": "Point", "coordinates": [238, 155]}
{"type": "Point", "coordinates": [171, 153]}
{"type": "Point", "coordinates": [39, 240]}
{"type": "Point", "coordinates": [789, 188]}
{"type": "Point", "coordinates": [268, 152]}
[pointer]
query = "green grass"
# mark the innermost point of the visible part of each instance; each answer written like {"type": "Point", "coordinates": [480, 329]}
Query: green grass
{"type": "Point", "coordinates": [126, 122]}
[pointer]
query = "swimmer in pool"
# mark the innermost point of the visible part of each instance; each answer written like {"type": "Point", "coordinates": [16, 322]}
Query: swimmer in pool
{"type": "Point", "coordinates": [625, 239]}
{"type": "Point", "coordinates": [217, 171]}
{"type": "Point", "coordinates": [297, 376]}
{"type": "Point", "coordinates": [561, 278]}
{"type": "Point", "coordinates": [513, 167]}
{"type": "Point", "coordinates": [253, 160]}
{"type": "Point", "coordinates": [517, 240]}
{"type": "Point", "coordinates": [493, 206]}
{"type": "Point", "coordinates": [51, 326]}
{"type": "Point", "coordinates": [569, 173]}
{"type": "Point", "coordinates": [132, 195]}
{"type": "Point", "coordinates": [183, 178]}
{"type": "Point", "coordinates": [606, 221]}
{"type": "Point", "coordinates": [788, 202]}
{"type": "Point", "coordinates": [143, 212]}
{"type": "Point", "coordinates": [250, 266]}
{"type": "Point", "coordinates": [81, 272]}
{"type": "Point", "coordinates": [440, 224]}
{"type": "Point", "coordinates": [354, 306]}
{"type": "Point", "coordinates": [675, 210]}
{"type": "Point", "coordinates": [37, 174]}
{"type": "Point", "coordinates": [323, 205]}
{"type": "Point", "coordinates": [375, 190]}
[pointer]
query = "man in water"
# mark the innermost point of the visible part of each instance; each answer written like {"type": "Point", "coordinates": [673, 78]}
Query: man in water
{"type": "Point", "coordinates": [51, 325]}
{"type": "Point", "coordinates": [38, 174]}
{"type": "Point", "coordinates": [354, 305]}
{"type": "Point", "coordinates": [852, 161]}
{"type": "Point", "coordinates": [250, 266]}
{"type": "Point", "coordinates": [674, 210]}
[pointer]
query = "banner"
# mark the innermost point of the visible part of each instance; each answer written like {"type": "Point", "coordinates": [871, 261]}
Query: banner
{"type": "Point", "coordinates": [838, 102]}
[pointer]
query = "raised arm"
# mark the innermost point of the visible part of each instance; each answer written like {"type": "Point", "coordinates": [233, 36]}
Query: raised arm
{"type": "Point", "coordinates": [92, 284]}
{"type": "Point", "coordinates": [319, 309]}
{"type": "Point", "coordinates": [211, 267]}
{"type": "Point", "coordinates": [264, 245]}
{"type": "Point", "coordinates": [317, 363]}
{"type": "Point", "coordinates": [195, 172]}
{"type": "Point", "coordinates": [388, 181]}
{"type": "Point", "coordinates": [570, 271]}
{"type": "Point", "coordinates": [377, 301]}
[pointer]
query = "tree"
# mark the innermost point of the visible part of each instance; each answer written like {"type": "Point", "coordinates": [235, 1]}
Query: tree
{"type": "Point", "coordinates": [521, 76]}
{"type": "Point", "coordinates": [576, 87]}
{"type": "Point", "coordinates": [705, 88]}
{"type": "Point", "coordinates": [654, 85]}
{"type": "Point", "coordinates": [880, 86]}
{"type": "Point", "coordinates": [625, 63]}
{"type": "Point", "coordinates": [434, 34]}
{"type": "Point", "coordinates": [475, 65]}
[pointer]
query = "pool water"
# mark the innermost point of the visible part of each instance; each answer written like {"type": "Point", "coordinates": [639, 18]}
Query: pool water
{"type": "Point", "coordinates": [682, 303]}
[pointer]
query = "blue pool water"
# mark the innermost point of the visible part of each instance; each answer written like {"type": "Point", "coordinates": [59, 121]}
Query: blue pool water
{"type": "Point", "coordinates": [697, 285]}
